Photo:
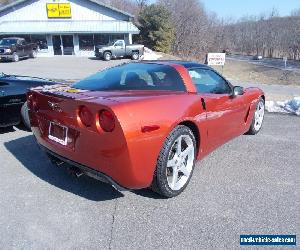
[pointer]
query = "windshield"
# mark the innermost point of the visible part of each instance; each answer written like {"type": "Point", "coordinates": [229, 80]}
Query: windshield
{"type": "Point", "coordinates": [8, 42]}
{"type": "Point", "coordinates": [111, 43]}
{"type": "Point", "coordinates": [134, 76]}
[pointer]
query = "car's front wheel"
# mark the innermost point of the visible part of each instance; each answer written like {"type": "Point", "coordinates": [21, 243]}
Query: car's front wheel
{"type": "Point", "coordinates": [258, 118]}
{"type": "Point", "coordinates": [107, 56]}
{"type": "Point", "coordinates": [175, 163]}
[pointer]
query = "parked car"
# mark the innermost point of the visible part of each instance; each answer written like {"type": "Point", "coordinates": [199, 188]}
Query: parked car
{"type": "Point", "coordinates": [13, 106]}
{"type": "Point", "coordinates": [117, 49]}
{"type": "Point", "coordinates": [143, 124]}
{"type": "Point", "coordinates": [257, 57]}
{"type": "Point", "coordinates": [14, 48]}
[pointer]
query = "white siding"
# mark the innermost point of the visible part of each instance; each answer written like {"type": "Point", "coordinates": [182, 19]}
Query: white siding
{"type": "Point", "coordinates": [81, 10]}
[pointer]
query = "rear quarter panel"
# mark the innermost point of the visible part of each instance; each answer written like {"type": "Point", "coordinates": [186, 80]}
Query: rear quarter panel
{"type": "Point", "coordinates": [166, 112]}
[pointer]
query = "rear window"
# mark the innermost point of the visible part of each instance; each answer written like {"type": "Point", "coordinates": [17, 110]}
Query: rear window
{"type": "Point", "coordinates": [134, 76]}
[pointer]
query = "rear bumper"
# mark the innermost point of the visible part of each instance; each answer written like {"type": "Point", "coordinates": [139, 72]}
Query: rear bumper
{"type": "Point", "coordinates": [84, 169]}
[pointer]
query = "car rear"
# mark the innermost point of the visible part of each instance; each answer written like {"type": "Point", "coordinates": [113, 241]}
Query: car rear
{"type": "Point", "coordinates": [97, 124]}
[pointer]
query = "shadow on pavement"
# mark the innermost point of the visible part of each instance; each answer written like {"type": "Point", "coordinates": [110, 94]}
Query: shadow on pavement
{"type": "Point", "coordinates": [7, 130]}
{"type": "Point", "coordinates": [27, 151]}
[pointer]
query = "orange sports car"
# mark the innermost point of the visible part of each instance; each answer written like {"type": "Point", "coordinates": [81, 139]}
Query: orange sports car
{"type": "Point", "coordinates": [142, 124]}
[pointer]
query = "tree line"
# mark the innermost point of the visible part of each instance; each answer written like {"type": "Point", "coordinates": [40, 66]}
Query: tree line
{"type": "Point", "coordinates": [186, 29]}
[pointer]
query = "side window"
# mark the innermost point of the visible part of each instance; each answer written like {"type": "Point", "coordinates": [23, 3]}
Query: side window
{"type": "Point", "coordinates": [119, 43]}
{"type": "Point", "coordinates": [207, 81]}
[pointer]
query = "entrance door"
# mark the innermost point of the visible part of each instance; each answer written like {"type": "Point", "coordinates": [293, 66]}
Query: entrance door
{"type": "Point", "coordinates": [68, 45]}
{"type": "Point", "coordinates": [57, 46]}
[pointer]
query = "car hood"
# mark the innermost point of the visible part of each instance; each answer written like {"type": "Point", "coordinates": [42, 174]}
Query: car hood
{"type": "Point", "coordinates": [4, 47]}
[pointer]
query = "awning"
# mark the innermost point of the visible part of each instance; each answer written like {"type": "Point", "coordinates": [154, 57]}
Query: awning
{"type": "Point", "coordinates": [66, 27]}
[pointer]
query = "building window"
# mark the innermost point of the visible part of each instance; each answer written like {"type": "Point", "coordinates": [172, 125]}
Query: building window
{"type": "Point", "coordinates": [117, 37]}
{"type": "Point", "coordinates": [86, 42]}
{"type": "Point", "coordinates": [41, 41]}
{"type": "Point", "coordinates": [101, 39]}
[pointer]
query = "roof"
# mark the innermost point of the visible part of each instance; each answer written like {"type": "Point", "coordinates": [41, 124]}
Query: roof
{"type": "Point", "coordinates": [67, 26]}
{"type": "Point", "coordinates": [17, 2]}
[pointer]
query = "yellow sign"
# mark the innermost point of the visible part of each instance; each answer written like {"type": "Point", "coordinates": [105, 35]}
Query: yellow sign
{"type": "Point", "coordinates": [59, 10]}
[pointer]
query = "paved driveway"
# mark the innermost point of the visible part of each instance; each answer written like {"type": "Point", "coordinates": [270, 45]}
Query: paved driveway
{"type": "Point", "coordinates": [248, 186]}
{"type": "Point", "coordinates": [59, 67]}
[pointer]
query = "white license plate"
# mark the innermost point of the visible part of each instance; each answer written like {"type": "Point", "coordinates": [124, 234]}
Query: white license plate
{"type": "Point", "coordinates": [58, 133]}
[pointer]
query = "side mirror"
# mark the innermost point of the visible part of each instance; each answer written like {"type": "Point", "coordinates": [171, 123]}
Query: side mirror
{"type": "Point", "coordinates": [237, 90]}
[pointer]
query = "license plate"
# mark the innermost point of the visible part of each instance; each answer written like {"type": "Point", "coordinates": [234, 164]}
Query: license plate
{"type": "Point", "coordinates": [58, 133]}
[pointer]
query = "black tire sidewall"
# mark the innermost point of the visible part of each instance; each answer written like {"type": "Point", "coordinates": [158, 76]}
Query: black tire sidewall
{"type": "Point", "coordinates": [133, 55]}
{"type": "Point", "coordinates": [160, 178]}
{"type": "Point", "coordinates": [25, 116]}
{"type": "Point", "coordinates": [252, 130]}
{"type": "Point", "coordinates": [105, 56]}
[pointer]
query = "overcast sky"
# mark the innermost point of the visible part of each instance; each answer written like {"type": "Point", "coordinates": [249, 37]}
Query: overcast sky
{"type": "Point", "coordinates": [239, 8]}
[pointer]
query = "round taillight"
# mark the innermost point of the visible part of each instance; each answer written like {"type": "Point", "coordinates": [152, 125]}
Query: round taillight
{"type": "Point", "coordinates": [86, 117]}
{"type": "Point", "coordinates": [107, 121]}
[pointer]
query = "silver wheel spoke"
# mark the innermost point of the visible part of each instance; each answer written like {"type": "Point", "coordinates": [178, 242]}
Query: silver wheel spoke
{"type": "Point", "coordinates": [184, 170]}
{"type": "Point", "coordinates": [187, 152]}
{"type": "Point", "coordinates": [171, 163]}
{"type": "Point", "coordinates": [174, 178]}
{"type": "Point", "coordinates": [179, 141]}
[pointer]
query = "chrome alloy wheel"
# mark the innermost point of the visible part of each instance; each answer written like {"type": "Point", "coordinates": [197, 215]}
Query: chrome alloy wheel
{"type": "Point", "coordinates": [259, 115]}
{"type": "Point", "coordinates": [180, 162]}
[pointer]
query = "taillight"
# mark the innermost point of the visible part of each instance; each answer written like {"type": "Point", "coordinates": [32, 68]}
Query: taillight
{"type": "Point", "coordinates": [85, 116]}
{"type": "Point", "coordinates": [107, 120]}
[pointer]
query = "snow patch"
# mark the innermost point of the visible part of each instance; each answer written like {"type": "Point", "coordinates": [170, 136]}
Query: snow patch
{"type": "Point", "coordinates": [289, 106]}
{"type": "Point", "coordinates": [150, 54]}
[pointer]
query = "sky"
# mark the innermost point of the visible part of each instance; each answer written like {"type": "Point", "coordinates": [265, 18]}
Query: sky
{"type": "Point", "coordinates": [238, 8]}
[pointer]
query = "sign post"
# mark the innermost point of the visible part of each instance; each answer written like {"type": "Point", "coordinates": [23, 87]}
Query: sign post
{"type": "Point", "coordinates": [285, 61]}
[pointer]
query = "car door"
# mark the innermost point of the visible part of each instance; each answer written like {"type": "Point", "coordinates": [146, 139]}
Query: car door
{"type": "Point", "coordinates": [20, 48]}
{"type": "Point", "coordinates": [119, 48]}
{"type": "Point", "coordinates": [225, 114]}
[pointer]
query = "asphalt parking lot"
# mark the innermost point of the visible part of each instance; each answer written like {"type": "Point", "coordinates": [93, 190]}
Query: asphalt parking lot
{"type": "Point", "coordinates": [248, 186]}
{"type": "Point", "coordinates": [58, 68]}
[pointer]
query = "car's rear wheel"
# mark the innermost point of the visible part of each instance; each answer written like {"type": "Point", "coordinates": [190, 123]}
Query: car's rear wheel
{"type": "Point", "coordinates": [258, 118]}
{"type": "Point", "coordinates": [107, 56]}
{"type": "Point", "coordinates": [25, 116]}
{"type": "Point", "coordinates": [175, 163]}
{"type": "Point", "coordinates": [135, 56]}
{"type": "Point", "coordinates": [16, 57]}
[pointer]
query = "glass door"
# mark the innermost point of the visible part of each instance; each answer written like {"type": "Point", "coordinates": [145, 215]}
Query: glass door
{"type": "Point", "coordinates": [68, 45]}
{"type": "Point", "coordinates": [57, 46]}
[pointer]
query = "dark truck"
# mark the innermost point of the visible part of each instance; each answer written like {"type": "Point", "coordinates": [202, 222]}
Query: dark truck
{"type": "Point", "coordinates": [117, 49]}
{"type": "Point", "coordinates": [14, 48]}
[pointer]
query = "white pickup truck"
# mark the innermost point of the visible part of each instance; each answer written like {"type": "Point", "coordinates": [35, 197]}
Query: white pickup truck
{"type": "Point", "coordinates": [119, 49]}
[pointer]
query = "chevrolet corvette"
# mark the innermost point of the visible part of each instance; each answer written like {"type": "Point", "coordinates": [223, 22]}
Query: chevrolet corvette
{"type": "Point", "coordinates": [143, 124]}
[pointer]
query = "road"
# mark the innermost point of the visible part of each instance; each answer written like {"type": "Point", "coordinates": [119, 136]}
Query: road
{"type": "Point", "coordinates": [292, 65]}
{"type": "Point", "coordinates": [248, 186]}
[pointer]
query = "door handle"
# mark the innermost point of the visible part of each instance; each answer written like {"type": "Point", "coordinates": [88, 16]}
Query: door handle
{"type": "Point", "coordinates": [203, 103]}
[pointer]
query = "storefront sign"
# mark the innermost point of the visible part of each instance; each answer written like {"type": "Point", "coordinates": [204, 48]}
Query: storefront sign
{"type": "Point", "coordinates": [59, 10]}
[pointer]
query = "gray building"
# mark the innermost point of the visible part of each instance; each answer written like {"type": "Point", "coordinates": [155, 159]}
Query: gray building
{"type": "Point", "coordinates": [65, 27]}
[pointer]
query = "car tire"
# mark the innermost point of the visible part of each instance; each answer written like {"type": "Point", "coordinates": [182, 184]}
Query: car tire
{"type": "Point", "coordinates": [107, 56]}
{"type": "Point", "coordinates": [135, 56]}
{"type": "Point", "coordinates": [258, 118]}
{"type": "Point", "coordinates": [25, 116]}
{"type": "Point", "coordinates": [16, 57]}
{"type": "Point", "coordinates": [175, 163]}
{"type": "Point", "coordinates": [33, 54]}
